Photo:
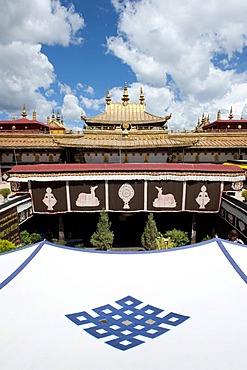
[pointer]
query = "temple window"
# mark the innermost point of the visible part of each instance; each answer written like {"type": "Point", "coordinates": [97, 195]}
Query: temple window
{"type": "Point", "coordinates": [106, 158]}
{"type": "Point", "coordinates": [216, 158]}
{"type": "Point", "coordinates": [51, 158]}
{"type": "Point", "coordinates": [197, 158]}
{"type": "Point", "coordinates": [36, 158]}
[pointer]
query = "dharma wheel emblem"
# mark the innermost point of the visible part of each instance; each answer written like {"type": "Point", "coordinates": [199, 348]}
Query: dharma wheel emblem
{"type": "Point", "coordinates": [126, 193]}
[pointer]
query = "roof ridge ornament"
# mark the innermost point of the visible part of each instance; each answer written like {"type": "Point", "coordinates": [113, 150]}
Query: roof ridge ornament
{"type": "Point", "coordinates": [108, 97]}
{"type": "Point", "coordinates": [24, 112]}
{"type": "Point", "coordinates": [230, 114]}
{"type": "Point", "coordinates": [125, 97]}
{"type": "Point", "coordinates": [142, 98]}
{"type": "Point", "coordinates": [218, 115]}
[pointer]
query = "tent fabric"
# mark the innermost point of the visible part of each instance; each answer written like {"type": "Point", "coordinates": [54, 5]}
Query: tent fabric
{"type": "Point", "coordinates": [66, 308]}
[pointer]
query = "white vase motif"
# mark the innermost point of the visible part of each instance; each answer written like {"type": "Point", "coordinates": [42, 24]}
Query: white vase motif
{"type": "Point", "coordinates": [49, 199]}
{"type": "Point", "coordinates": [126, 193]}
{"type": "Point", "coordinates": [203, 198]}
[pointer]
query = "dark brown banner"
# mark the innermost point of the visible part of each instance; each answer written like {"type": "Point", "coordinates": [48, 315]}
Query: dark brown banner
{"type": "Point", "coordinates": [125, 196]}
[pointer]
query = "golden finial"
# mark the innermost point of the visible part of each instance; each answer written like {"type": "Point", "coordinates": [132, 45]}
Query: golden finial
{"type": "Point", "coordinates": [58, 116]}
{"type": "Point", "coordinates": [108, 97]}
{"type": "Point", "coordinates": [24, 112]}
{"type": "Point", "coordinates": [203, 119]}
{"type": "Point", "coordinates": [230, 114]}
{"type": "Point", "coordinates": [48, 120]}
{"type": "Point", "coordinates": [208, 120]}
{"type": "Point", "coordinates": [142, 98]}
{"type": "Point", "coordinates": [53, 115]}
{"type": "Point", "coordinates": [218, 115]}
{"type": "Point", "coordinates": [34, 115]}
{"type": "Point", "coordinates": [241, 117]}
{"type": "Point", "coordinates": [125, 97]}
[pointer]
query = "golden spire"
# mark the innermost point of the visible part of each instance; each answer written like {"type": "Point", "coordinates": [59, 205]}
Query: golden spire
{"type": "Point", "coordinates": [208, 120]}
{"type": "Point", "coordinates": [125, 97]}
{"type": "Point", "coordinates": [108, 97]}
{"type": "Point", "coordinates": [203, 119]}
{"type": "Point", "coordinates": [58, 116]}
{"type": "Point", "coordinates": [53, 115]}
{"type": "Point", "coordinates": [230, 114]}
{"type": "Point", "coordinates": [142, 98]}
{"type": "Point", "coordinates": [218, 115]}
{"type": "Point", "coordinates": [24, 112]}
{"type": "Point", "coordinates": [34, 115]}
{"type": "Point", "coordinates": [48, 120]}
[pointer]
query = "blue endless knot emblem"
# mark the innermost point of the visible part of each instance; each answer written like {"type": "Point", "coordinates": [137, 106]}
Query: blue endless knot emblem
{"type": "Point", "coordinates": [127, 323]}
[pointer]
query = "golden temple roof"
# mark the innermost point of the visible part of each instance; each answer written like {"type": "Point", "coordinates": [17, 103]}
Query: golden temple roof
{"type": "Point", "coordinates": [126, 112]}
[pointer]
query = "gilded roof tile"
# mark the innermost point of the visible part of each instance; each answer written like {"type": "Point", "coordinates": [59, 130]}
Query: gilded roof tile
{"type": "Point", "coordinates": [120, 112]}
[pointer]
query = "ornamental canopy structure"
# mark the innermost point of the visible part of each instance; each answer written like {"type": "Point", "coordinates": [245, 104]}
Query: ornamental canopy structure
{"type": "Point", "coordinates": [126, 116]}
{"type": "Point", "coordinates": [161, 187]}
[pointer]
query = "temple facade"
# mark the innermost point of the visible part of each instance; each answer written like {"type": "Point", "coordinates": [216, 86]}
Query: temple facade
{"type": "Point", "coordinates": [124, 133]}
{"type": "Point", "coordinates": [128, 162]}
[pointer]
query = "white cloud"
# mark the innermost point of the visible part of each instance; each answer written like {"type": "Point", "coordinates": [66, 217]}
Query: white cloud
{"type": "Point", "coordinates": [64, 88]}
{"type": "Point", "coordinates": [71, 110]}
{"type": "Point", "coordinates": [94, 104]}
{"type": "Point", "coordinates": [191, 43]}
{"type": "Point", "coordinates": [35, 21]}
{"type": "Point", "coordinates": [20, 81]}
{"type": "Point", "coordinates": [26, 74]}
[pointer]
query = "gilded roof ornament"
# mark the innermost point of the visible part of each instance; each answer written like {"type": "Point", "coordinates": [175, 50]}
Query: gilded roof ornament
{"type": "Point", "coordinates": [230, 114]}
{"type": "Point", "coordinates": [34, 115]}
{"type": "Point", "coordinates": [53, 115]}
{"type": "Point", "coordinates": [108, 97]}
{"type": "Point", "coordinates": [142, 98]}
{"type": "Point", "coordinates": [125, 97]}
{"type": "Point", "coordinates": [203, 121]}
{"type": "Point", "coordinates": [24, 112]}
{"type": "Point", "coordinates": [218, 115]}
{"type": "Point", "coordinates": [58, 116]}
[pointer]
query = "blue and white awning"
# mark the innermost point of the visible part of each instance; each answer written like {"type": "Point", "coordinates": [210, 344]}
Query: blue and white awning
{"type": "Point", "coordinates": [66, 308]}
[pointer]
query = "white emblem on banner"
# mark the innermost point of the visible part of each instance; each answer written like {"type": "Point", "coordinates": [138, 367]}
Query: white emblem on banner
{"type": "Point", "coordinates": [49, 199]}
{"type": "Point", "coordinates": [88, 199]}
{"type": "Point", "coordinates": [164, 200]}
{"type": "Point", "coordinates": [126, 193]}
{"type": "Point", "coordinates": [203, 198]}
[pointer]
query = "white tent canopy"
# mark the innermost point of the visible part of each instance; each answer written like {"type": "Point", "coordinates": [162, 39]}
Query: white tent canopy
{"type": "Point", "coordinates": [64, 308]}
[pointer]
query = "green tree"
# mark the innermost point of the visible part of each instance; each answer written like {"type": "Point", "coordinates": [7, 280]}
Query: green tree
{"type": "Point", "coordinates": [150, 234]}
{"type": "Point", "coordinates": [178, 237]}
{"type": "Point", "coordinates": [27, 238]}
{"type": "Point", "coordinates": [103, 237]}
{"type": "Point", "coordinates": [35, 237]}
{"type": "Point", "coordinates": [164, 243]}
{"type": "Point", "coordinates": [5, 192]}
{"type": "Point", "coordinates": [6, 245]}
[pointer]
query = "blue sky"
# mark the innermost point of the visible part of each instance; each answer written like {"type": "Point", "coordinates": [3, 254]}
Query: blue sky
{"type": "Point", "coordinates": [188, 56]}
